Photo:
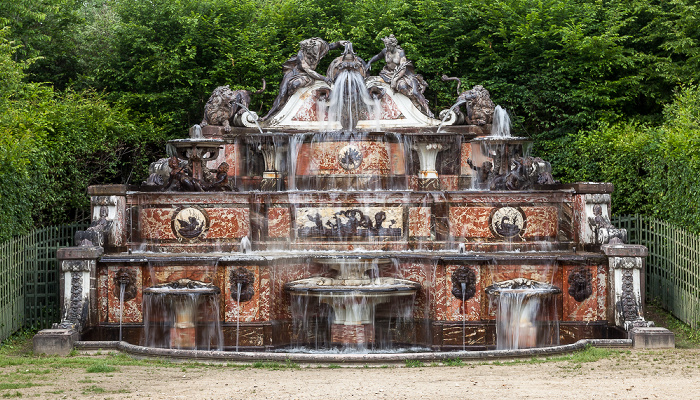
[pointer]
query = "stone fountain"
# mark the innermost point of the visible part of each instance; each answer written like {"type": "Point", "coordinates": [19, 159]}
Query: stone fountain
{"type": "Point", "coordinates": [351, 218]}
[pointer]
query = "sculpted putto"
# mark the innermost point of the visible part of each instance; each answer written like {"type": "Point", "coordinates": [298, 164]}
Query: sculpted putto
{"type": "Point", "coordinates": [400, 74]}
{"type": "Point", "coordinates": [300, 70]}
{"type": "Point", "coordinates": [224, 104]}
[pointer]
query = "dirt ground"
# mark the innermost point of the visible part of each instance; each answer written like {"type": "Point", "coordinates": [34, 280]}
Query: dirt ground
{"type": "Point", "coordinates": [626, 374]}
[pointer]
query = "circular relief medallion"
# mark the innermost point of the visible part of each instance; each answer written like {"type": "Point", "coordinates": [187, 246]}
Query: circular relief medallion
{"type": "Point", "coordinates": [507, 222]}
{"type": "Point", "coordinates": [190, 223]}
{"type": "Point", "coordinates": [350, 157]}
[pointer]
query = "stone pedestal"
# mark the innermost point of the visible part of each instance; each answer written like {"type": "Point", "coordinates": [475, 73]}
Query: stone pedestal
{"type": "Point", "coordinates": [78, 286]}
{"type": "Point", "coordinates": [626, 284]}
{"type": "Point", "coordinates": [57, 342]}
{"type": "Point", "coordinates": [652, 338]}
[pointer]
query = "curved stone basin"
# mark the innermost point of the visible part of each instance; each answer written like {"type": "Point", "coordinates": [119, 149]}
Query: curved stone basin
{"type": "Point", "coordinates": [353, 295]}
{"type": "Point", "coordinates": [330, 287]}
{"type": "Point", "coordinates": [177, 313]}
{"type": "Point", "coordinates": [522, 285]}
{"type": "Point", "coordinates": [526, 314]}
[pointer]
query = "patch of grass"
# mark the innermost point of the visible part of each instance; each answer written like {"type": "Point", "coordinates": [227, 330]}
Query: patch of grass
{"type": "Point", "coordinates": [587, 355]}
{"type": "Point", "coordinates": [20, 343]}
{"type": "Point", "coordinates": [87, 380]}
{"type": "Point", "coordinates": [93, 389]}
{"type": "Point", "coordinates": [34, 371]}
{"type": "Point", "coordinates": [55, 391]}
{"type": "Point", "coordinates": [333, 366]}
{"type": "Point", "coordinates": [274, 365]}
{"type": "Point", "coordinates": [686, 336]}
{"type": "Point", "coordinates": [453, 362]}
{"type": "Point", "coordinates": [414, 364]}
{"type": "Point", "coordinates": [14, 385]}
{"type": "Point", "coordinates": [100, 367]}
{"type": "Point", "coordinates": [11, 395]}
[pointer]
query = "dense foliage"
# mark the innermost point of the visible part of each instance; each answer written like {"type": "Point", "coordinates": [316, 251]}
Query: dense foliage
{"type": "Point", "coordinates": [581, 77]}
{"type": "Point", "coordinates": [54, 144]}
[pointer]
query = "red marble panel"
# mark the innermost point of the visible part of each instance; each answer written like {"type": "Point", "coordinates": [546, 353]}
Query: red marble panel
{"type": "Point", "coordinates": [587, 310]}
{"type": "Point", "coordinates": [439, 290]}
{"type": "Point", "coordinates": [322, 158]}
{"type": "Point", "coordinates": [389, 109]}
{"type": "Point", "coordinates": [423, 273]}
{"type": "Point", "coordinates": [541, 221]}
{"type": "Point", "coordinates": [280, 274]}
{"type": "Point", "coordinates": [465, 154]}
{"type": "Point", "coordinates": [248, 310]}
{"type": "Point", "coordinates": [228, 222]}
{"type": "Point", "coordinates": [397, 158]}
{"type": "Point", "coordinates": [132, 308]}
{"type": "Point", "coordinates": [470, 310]}
{"type": "Point", "coordinates": [102, 300]}
{"type": "Point", "coordinates": [419, 221]}
{"type": "Point", "coordinates": [579, 213]}
{"type": "Point", "coordinates": [602, 292]}
{"type": "Point", "coordinates": [470, 222]}
{"type": "Point", "coordinates": [264, 298]}
{"type": "Point", "coordinates": [278, 222]}
{"type": "Point", "coordinates": [155, 223]}
{"type": "Point", "coordinates": [307, 111]}
{"type": "Point", "coordinates": [448, 182]}
{"type": "Point", "coordinates": [230, 155]}
{"type": "Point", "coordinates": [233, 159]}
{"type": "Point", "coordinates": [352, 334]}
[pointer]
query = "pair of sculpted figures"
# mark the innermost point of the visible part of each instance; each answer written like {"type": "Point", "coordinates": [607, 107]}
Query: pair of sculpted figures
{"type": "Point", "coordinates": [300, 71]}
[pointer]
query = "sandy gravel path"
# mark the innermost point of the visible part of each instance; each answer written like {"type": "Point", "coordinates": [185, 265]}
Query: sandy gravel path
{"type": "Point", "coordinates": [641, 374]}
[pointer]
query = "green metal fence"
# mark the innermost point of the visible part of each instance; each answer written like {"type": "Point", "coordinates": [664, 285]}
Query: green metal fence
{"type": "Point", "coordinates": [673, 265]}
{"type": "Point", "coordinates": [29, 278]}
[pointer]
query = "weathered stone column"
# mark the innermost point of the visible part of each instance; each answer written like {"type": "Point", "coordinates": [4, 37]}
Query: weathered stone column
{"type": "Point", "coordinates": [627, 296]}
{"type": "Point", "coordinates": [626, 263]}
{"type": "Point", "coordinates": [78, 299]}
{"type": "Point", "coordinates": [78, 285]}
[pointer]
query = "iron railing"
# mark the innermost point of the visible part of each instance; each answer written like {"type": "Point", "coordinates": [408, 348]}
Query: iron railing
{"type": "Point", "coordinates": [673, 265]}
{"type": "Point", "coordinates": [29, 277]}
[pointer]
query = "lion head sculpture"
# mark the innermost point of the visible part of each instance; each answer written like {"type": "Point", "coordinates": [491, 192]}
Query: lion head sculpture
{"type": "Point", "coordinates": [224, 104]}
{"type": "Point", "coordinates": [127, 278]}
{"type": "Point", "coordinates": [478, 104]}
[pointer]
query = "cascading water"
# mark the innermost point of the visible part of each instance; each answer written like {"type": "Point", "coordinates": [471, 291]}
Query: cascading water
{"type": "Point", "coordinates": [526, 314]}
{"type": "Point", "coordinates": [464, 315]}
{"type": "Point", "coordinates": [351, 300]}
{"type": "Point", "coordinates": [122, 287]}
{"type": "Point", "coordinates": [238, 312]}
{"type": "Point", "coordinates": [349, 97]}
{"type": "Point", "coordinates": [182, 315]}
{"type": "Point", "coordinates": [500, 127]}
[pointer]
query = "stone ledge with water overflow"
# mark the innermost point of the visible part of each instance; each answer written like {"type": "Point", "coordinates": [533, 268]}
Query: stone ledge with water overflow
{"type": "Point", "coordinates": [350, 220]}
